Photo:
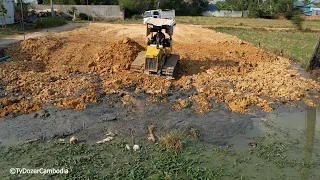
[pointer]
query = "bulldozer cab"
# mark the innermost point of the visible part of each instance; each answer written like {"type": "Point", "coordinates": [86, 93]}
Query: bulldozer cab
{"type": "Point", "coordinates": [156, 26]}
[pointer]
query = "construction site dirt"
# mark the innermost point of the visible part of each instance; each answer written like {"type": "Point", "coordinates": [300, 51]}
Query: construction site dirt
{"type": "Point", "coordinates": [79, 82]}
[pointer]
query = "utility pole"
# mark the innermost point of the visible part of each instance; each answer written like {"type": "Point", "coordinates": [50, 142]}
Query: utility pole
{"type": "Point", "coordinates": [22, 22]}
{"type": "Point", "coordinates": [52, 10]}
{"type": "Point", "coordinates": [88, 10]}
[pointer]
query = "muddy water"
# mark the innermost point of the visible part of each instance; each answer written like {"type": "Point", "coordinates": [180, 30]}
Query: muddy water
{"type": "Point", "coordinates": [299, 128]}
{"type": "Point", "coordinates": [293, 122]}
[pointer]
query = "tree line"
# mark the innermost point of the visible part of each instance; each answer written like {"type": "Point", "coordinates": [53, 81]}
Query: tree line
{"type": "Point", "coordinates": [262, 8]}
{"type": "Point", "coordinates": [132, 7]}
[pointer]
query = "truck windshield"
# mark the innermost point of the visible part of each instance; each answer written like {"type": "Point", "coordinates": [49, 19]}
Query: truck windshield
{"type": "Point", "coordinates": [147, 14]}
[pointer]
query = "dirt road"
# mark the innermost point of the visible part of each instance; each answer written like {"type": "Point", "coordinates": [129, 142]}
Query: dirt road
{"type": "Point", "coordinates": [222, 80]}
{"type": "Point", "coordinates": [4, 42]}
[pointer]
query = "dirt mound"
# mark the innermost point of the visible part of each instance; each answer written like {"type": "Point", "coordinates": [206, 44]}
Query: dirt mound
{"type": "Point", "coordinates": [117, 57]}
{"type": "Point", "coordinates": [45, 71]}
{"type": "Point", "coordinates": [73, 68]}
{"type": "Point", "coordinates": [40, 49]}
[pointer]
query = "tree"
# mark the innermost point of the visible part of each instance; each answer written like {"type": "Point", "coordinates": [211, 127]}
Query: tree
{"type": "Point", "coordinates": [133, 7]}
{"type": "Point", "coordinates": [73, 11]}
{"type": "Point", "coordinates": [3, 14]}
{"type": "Point", "coordinates": [182, 7]}
{"type": "Point", "coordinates": [297, 21]}
{"type": "Point", "coordinates": [306, 2]}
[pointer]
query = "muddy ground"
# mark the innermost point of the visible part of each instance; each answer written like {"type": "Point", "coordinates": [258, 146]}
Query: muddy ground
{"type": "Point", "coordinates": [78, 83]}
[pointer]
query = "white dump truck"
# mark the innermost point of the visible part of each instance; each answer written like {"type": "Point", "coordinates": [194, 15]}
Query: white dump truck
{"type": "Point", "coordinates": [163, 14]}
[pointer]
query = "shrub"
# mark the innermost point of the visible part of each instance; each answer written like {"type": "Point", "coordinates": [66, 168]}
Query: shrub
{"type": "Point", "coordinates": [289, 15]}
{"type": "Point", "coordinates": [297, 21]}
{"type": "Point", "coordinates": [72, 10]}
{"type": "Point", "coordinates": [50, 22]}
{"type": "Point", "coordinates": [173, 139]}
{"type": "Point", "coordinates": [84, 16]}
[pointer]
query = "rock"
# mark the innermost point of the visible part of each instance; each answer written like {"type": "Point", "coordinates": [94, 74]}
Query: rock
{"type": "Point", "coordinates": [53, 79]}
{"type": "Point", "coordinates": [110, 134]}
{"type": "Point", "coordinates": [210, 71]}
{"type": "Point", "coordinates": [44, 114]}
{"type": "Point", "coordinates": [108, 139]}
{"type": "Point", "coordinates": [126, 40]}
{"type": "Point", "coordinates": [73, 140]}
{"type": "Point", "coordinates": [135, 147]}
{"type": "Point", "coordinates": [100, 142]}
{"type": "Point", "coordinates": [115, 68]}
{"type": "Point", "coordinates": [310, 103]}
{"type": "Point", "coordinates": [188, 81]}
{"type": "Point", "coordinates": [111, 117]}
{"type": "Point", "coordinates": [128, 147]}
{"type": "Point", "coordinates": [91, 64]}
{"type": "Point", "coordinates": [253, 144]}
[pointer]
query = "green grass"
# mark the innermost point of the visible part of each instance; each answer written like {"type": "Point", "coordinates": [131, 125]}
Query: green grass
{"type": "Point", "coordinates": [108, 161]}
{"type": "Point", "coordinates": [270, 159]}
{"type": "Point", "coordinates": [244, 22]}
{"type": "Point", "coordinates": [42, 23]}
{"type": "Point", "coordinates": [298, 46]}
{"type": "Point", "coordinates": [10, 30]}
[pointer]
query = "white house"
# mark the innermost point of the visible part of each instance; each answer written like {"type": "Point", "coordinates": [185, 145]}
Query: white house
{"type": "Point", "coordinates": [315, 11]}
{"type": "Point", "coordinates": [9, 17]}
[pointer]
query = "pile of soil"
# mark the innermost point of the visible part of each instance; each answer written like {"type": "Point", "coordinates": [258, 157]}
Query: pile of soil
{"type": "Point", "coordinates": [39, 73]}
{"type": "Point", "coordinates": [74, 68]}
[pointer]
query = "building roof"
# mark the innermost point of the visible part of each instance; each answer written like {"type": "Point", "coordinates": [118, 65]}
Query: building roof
{"type": "Point", "coordinates": [298, 4]}
{"type": "Point", "coordinates": [310, 5]}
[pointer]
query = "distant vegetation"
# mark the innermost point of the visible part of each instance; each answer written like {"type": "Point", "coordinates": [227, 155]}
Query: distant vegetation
{"type": "Point", "coordinates": [244, 22]}
{"type": "Point", "coordinates": [132, 7]}
{"type": "Point", "coordinates": [270, 9]}
{"type": "Point", "coordinates": [50, 22]}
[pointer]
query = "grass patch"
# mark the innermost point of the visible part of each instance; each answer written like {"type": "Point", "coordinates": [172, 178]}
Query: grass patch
{"type": "Point", "coordinates": [10, 30]}
{"type": "Point", "coordinates": [41, 23]}
{"type": "Point", "coordinates": [248, 22]}
{"type": "Point", "coordinates": [297, 46]}
{"type": "Point", "coordinates": [154, 161]}
{"type": "Point", "coordinates": [173, 140]}
{"type": "Point", "coordinates": [50, 22]}
{"type": "Point", "coordinates": [108, 161]}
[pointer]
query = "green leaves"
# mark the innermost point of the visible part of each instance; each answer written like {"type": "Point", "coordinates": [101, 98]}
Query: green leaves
{"type": "Point", "coordinates": [3, 10]}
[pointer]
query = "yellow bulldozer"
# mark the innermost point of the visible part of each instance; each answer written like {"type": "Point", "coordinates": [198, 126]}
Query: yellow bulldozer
{"type": "Point", "coordinates": [157, 59]}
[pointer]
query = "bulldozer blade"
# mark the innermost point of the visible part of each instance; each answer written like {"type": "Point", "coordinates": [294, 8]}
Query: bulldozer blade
{"type": "Point", "coordinates": [138, 64]}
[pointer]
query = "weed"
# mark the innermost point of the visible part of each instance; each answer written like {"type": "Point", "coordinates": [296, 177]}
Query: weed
{"type": "Point", "coordinates": [172, 139]}
{"type": "Point", "coordinates": [194, 133]}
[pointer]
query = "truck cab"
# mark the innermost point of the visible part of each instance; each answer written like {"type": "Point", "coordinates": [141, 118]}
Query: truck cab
{"type": "Point", "coordinates": [164, 14]}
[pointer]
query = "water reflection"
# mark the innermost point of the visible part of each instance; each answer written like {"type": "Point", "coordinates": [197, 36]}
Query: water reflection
{"type": "Point", "coordinates": [310, 126]}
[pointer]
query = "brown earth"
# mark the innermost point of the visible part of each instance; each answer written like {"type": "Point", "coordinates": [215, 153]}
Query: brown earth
{"type": "Point", "coordinates": [70, 69]}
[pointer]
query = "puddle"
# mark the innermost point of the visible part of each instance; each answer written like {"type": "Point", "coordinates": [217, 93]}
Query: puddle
{"type": "Point", "coordinates": [299, 128]}
{"type": "Point", "coordinates": [294, 123]}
